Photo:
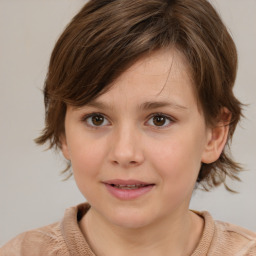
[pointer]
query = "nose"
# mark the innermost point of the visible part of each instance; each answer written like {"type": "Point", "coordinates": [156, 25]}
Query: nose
{"type": "Point", "coordinates": [127, 149]}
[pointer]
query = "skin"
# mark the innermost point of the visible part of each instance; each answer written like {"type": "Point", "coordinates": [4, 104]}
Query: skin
{"type": "Point", "coordinates": [129, 145]}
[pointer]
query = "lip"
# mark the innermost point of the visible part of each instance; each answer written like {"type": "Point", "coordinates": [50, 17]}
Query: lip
{"type": "Point", "coordinates": [128, 194]}
{"type": "Point", "coordinates": [125, 182]}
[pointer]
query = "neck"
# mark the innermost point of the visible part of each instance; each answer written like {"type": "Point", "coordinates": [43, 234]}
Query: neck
{"type": "Point", "coordinates": [180, 238]}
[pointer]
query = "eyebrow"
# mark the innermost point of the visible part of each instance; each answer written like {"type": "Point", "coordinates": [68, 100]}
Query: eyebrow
{"type": "Point", "coordinates": [149, 105]}
{"type": "Point", "coordinates": [98, 104]}
{"type": "Point", "coordinates": [158, 104]}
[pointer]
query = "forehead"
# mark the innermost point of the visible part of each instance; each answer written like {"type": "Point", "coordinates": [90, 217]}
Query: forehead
{"type": "Point", "coordinates": [161, 62]}
{"type": "Point", "coordinates": [163, 75]}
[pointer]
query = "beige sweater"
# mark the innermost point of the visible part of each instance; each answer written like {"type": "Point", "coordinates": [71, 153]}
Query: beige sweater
{"type": "Point", "coordinates": [65, 238]}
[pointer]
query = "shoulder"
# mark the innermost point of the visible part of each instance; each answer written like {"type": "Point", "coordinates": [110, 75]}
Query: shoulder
{"type": "Point", "coordinates": [47, 240]}
{"type": "Point", "coordinates": [221, 238]}
{"type": "Point", "coordinates": [61, 238]}
{"type": "Point", "coordinates": [235, 238]}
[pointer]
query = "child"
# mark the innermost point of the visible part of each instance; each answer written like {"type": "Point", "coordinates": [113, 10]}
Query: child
{"type": "Point", "coordinates": [139, 100]}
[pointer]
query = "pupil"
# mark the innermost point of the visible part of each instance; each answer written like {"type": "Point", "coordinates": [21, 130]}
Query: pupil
{"type": "Point", "coordinates": [159, 120]}
{"type": "Point", "coordinates": [97, 120]}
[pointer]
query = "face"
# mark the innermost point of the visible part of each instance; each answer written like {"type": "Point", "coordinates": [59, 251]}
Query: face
{"type": "Point", "coordinates": [137, 149]}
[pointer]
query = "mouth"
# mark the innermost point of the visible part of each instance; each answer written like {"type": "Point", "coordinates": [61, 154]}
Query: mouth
{"type": "Point", "coordinates": [127, 184]}
{"type": "Point", "coordinates": [128, 189]}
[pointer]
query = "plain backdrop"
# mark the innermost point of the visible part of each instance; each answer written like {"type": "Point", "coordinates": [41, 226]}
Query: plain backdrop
{"type": "Point", "coordinates": [32, 193]}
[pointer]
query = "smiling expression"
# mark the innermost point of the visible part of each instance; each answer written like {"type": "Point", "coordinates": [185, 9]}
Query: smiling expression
{"type": "Point", "coordinates": [136, 150]}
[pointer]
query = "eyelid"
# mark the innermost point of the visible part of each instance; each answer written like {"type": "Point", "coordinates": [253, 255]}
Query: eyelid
{"type": "Point", "coordinates": [86, 116]}
{"type": "Point", "coordinates": [170, 118]}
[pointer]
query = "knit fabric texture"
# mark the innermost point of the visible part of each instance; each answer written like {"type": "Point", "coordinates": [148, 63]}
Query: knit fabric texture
{"type": "Point", "coordinates": [66, 239]}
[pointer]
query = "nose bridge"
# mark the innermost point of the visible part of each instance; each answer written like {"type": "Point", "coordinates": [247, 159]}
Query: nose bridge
{"type": "Point", "coordinates": [126, 147]}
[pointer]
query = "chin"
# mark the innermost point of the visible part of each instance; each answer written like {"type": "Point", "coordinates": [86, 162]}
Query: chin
{"type": "Point", "coordinates": [131, 223]}
{"type": "Point", "coordinates": [131, 219]}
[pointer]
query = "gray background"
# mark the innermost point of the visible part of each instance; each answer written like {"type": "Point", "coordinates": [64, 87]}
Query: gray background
{"type": "Point", "coordinates": [31, 191]}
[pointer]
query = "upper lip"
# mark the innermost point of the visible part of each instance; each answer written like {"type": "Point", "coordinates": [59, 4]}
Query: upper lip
{"type": "Point", "coordinates": [126, 182]}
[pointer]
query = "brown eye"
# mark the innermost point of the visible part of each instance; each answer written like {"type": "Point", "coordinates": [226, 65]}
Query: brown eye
{"type": "Point", "coordinates": [96, 120]}
{"type": "Point", "coordinates": [159, 120]}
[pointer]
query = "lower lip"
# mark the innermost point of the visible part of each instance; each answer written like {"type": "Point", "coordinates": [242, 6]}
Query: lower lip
{"type": "Point", "coordinates": [128, 194]}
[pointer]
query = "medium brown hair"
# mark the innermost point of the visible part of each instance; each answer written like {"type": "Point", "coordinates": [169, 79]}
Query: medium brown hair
{"type": "Point", "coordinates": [107, 37]}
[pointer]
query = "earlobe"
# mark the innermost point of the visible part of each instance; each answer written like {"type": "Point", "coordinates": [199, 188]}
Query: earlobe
{"type": "Point", "coordinates": [217, 138]}
{"type": "Point", "coordinates": [64, 147]}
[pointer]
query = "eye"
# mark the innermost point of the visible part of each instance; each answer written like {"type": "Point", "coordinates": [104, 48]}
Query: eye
{"type": "Point", "coordinates": [160, 120]}
{"type": "Point", "coordinates": [96, 120]}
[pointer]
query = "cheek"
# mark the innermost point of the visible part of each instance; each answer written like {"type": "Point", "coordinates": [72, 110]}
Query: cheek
{"type": "Point", "coordinates": [86, 158]}
{"type": "Point", "coordinates": [177, 161]}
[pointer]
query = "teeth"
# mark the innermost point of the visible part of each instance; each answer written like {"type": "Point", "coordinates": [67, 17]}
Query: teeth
{"type": "Point", "coordinates": [134, 186]}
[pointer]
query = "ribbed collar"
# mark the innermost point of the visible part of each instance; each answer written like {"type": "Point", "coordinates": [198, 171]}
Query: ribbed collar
{"type": "Point", "coordinates": [78, 246]}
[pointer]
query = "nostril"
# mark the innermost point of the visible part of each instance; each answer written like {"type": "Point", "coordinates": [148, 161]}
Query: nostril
{"type": "Point", "coordinates": [129, 163]}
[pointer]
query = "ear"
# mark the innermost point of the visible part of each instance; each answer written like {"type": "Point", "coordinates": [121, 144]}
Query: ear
{"type": "Point", "coordinates": [217, 138]}
{"type": "Point", "coordinates": [64, 147]}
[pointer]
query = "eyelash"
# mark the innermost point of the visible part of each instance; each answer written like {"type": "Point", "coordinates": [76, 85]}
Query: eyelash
{"type": "Point", "coordinates": [167, 118]}
{"type": "Point", "coordinates": [159, 114]}
{"type": "Point", "coordinates": [86, 117]}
